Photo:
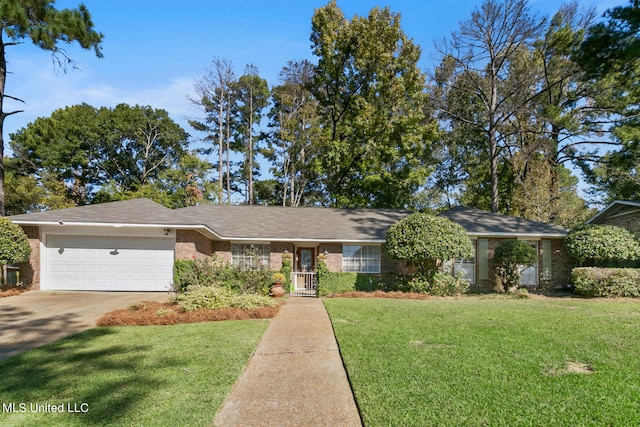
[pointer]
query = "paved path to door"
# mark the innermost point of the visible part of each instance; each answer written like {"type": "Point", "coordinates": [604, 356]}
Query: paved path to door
{"type": "Point", "coordinates": [295, 377]}
{"type": "Point", "coordinates": [35, 318]}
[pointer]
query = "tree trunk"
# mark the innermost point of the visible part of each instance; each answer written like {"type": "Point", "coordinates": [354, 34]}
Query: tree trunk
{"type": "Point", "coordinates": [3, 78]}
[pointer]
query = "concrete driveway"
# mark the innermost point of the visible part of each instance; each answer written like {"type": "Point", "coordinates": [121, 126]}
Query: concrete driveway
{"type": "Point", "coordinates": [35, 318]}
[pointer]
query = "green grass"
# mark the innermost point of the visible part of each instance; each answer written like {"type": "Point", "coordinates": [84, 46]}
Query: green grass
{"type": "Point", "coordinates": [145, 376]}
{"type": "Point", "coordinates": [491, 362]}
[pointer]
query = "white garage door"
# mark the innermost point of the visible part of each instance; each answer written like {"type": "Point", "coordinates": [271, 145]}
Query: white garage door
{"type": "Point", "coordinates": [109, 263]}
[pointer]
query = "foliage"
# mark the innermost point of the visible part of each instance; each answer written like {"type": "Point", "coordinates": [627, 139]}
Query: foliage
{"type": "Point", "coordinates": [215, 297]}
{"type": "Point", "coordinates": [14, 245]}
{"type": "Point", "coordinates": [424, 239]}
{"type": "Point", "coordinates": [215, 272]}
{"type": "Point", "coordinates": [41, 23]}
{"type": "Point", "coordinates": [293, 141]}
{"type": "Point", "coordinates": [609, 54]}
{"type": "Point", "coordinates": [375, 135]}
{"type": "Point", "coordinates": [437, 284]}
{"type": "Point", "coordinates": [124, 152]}
{"type": "Point", "coordinates": [606, 282]}
{"type": "Point", "coordinates": [286, 268]}
{"type": "Point", "coordinates": [278, 278]}
{"type": "Point", "coordinates": [473, 85]}
{"type": "Point", "coordinates": [511, 258]}
{"type": "Point", "coordinates": [603, 246]}
{"type": "Point", "coordinates": [251, 95]}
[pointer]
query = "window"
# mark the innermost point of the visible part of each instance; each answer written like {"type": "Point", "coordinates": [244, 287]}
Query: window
{"type": "Point", "coordinates": [466, 266]}
{"type": "Point", "coordinates": [361, 258]}
{"type": "Point", "coordinates": [250, 256]}
{"type": "Point", "coordinates": [529, 276]}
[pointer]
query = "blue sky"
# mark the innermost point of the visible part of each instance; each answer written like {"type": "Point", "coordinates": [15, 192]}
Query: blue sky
{"type": "Point", "coordinates": [154, 50]}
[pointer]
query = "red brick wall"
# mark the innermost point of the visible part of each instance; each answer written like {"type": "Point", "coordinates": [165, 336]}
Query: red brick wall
{"type": "Point", "coordinates": [191, 244]}
{"type": "Point", "coordinates": [30, 270]}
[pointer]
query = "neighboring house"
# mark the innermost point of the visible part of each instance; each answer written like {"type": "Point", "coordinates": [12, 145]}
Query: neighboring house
{"type": "Point", "coordinates": [621, 213]}
{"type": "Point", "coordinates": [131, 245]}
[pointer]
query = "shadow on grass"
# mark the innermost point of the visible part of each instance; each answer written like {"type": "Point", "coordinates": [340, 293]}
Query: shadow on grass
{"type": "Point", "coordinates": [94, 367]}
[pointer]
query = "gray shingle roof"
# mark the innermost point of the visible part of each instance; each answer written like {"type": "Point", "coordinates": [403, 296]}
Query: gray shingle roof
{"type": "Point", "coordinates": [286, 223]}
{"type": "Point", "coordinates": [483, 223]}
{"type": "Point", "coordinates": [272, 223]}
{"type": "Point", "coordinates": [136, 211]}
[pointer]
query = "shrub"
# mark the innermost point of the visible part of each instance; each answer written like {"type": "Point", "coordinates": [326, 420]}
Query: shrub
{"type": "Point", "coordinates": [14, 245]}
{"type": "Point", "coordinates": [286, 267]}
{"type": "Point", "coordinates": [216, 272]}
{"type": "Point", "coordinates": [278, 278]}
{"type": "Point", "coordinates": [603, 246]}
{"type": "Point", "coordinates": [214, 298]}
{"type": "Point", "coordinates": [606, 282]}
{"type": "Point", "coordinates": [423, 239]}
{"type": "Point", "coordinates": [511, 258]}
{"type": "Point", "coordinates": [438, 284]}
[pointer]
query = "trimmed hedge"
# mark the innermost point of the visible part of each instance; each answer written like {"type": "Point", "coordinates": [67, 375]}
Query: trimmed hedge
{"type": "Point", "coordinates": [603, 246]}
{"type": "Point", "coordinates": [606, 282]}
{"type": "Point", "coordinates": [341, 282]}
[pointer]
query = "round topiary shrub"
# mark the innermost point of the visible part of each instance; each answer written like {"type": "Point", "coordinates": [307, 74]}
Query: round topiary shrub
{"type": "Point", "coordinates": [423, 239]}
{"type": "Point", "coordinates": [511, 258]}
{"type": "Point", "coordinates": [14, 245]}
{"type": "Point", "coordinates": [603, 246]}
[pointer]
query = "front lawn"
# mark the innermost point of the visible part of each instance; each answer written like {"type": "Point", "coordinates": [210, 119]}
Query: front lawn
{"type": "Point", "coordinates": [152, 375]}
{"type": "Point", "coordinates": [493, 362]}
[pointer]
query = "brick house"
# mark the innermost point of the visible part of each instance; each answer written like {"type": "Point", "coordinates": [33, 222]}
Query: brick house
{"type": "Point", "coordinates": [132, 245]}
{"type": "Point", "coordinates": [621, 213]}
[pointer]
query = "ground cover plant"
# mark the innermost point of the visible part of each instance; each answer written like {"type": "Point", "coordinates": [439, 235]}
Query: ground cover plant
{"type": "Point", "coordinates": [491, 360]}
{"type": "Point", "coordinates": [157, 313]}
{"type": "Point", "coordinates": [152, 375]}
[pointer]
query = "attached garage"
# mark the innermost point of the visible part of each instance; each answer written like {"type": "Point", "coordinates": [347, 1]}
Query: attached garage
{"type": "Point", "coordinates": [108, 263]}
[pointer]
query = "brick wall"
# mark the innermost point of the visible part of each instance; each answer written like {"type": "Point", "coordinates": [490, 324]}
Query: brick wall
{"type": "Point", "coordinates": [223, 250]}
{"type": "Point", "coordinates": [30, 270]}
{"type": "Point", "coordinates": [630, 221]}
{"type": "Point", "coordinates": [561, 263]}
{"type": "Point", "coordinates": [334, 257]}
{"type": "Point", "coordinates": [191, 244]}
{"type": "Point", "coordinates": [275, 254]}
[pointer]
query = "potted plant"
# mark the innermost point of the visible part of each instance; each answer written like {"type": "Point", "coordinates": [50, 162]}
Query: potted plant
{"type": "Point", "coordinates": [277, 280]}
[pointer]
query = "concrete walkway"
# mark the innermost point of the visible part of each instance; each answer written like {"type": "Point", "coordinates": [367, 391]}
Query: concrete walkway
{"type": "Point", "coordinates": [295, 377]}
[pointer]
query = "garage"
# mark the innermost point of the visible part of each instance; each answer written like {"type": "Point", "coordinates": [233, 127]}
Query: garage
{"type": "Point", "coordinates": [108, 263]}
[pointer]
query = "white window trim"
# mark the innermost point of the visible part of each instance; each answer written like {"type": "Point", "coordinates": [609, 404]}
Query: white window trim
{"type": "Point", "coordinates": [264, 259]}
{"type": "Point", "coordinates": [346, 260]}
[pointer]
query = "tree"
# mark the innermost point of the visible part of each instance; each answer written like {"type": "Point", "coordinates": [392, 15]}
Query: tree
{"type": "Point", "coordinates": [83, 149]}
{"type": "Point", "coordinates": [14, 245]}
{"type": "Point", "coordinates": [511, 258]}
{"type": "Point", "coordinates": [215, 91]}
{"type": "Point", "coordinates": [475, 65]}
{"type": "Point", "coordinates": [46, 27]}
{"type": "Point", "coordinates": [293, 141]}
{"type": "Point", "coordinates": [424, 239]}
{"type": "Point", "coordinates": [610, 54]}
{"type": "Point", "coordinates": [251, 97]}
{"type": "Point", "coordinates": [60, 148]}
{"type": "Point", "coordinates": [370, 92]}
{"type": "Point", "coordinates": [603, 246]}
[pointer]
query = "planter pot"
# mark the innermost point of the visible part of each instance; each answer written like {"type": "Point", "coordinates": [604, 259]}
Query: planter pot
{"type": "Point", "coordinates": [277, 291]}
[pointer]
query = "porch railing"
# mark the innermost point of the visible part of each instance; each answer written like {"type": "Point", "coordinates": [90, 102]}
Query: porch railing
{"type": "Point", "coordinates": [303, 284]}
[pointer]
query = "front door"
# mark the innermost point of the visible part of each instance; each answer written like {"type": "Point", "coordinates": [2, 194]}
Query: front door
{"type": "Point", "coordinates": [305, 259]}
